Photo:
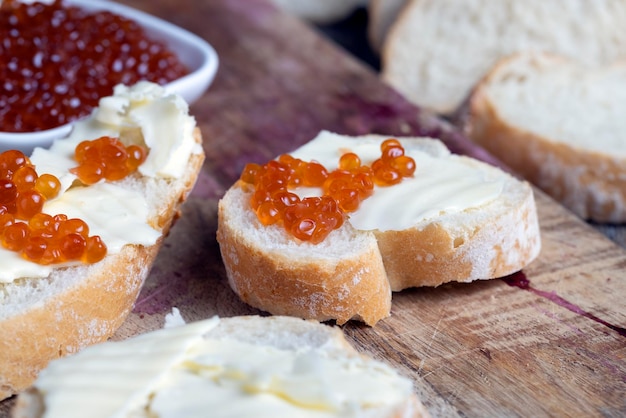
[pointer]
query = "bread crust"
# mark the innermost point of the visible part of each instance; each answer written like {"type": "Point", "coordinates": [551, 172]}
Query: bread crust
{"type": "Point", "coordinates": [589, 183]}
{"type": "Point", "coordinates": [304, 287]}
{"type": "Point", "coordinates": [83, 315]}
{"type": "Point", "coordinates": [89, 311]}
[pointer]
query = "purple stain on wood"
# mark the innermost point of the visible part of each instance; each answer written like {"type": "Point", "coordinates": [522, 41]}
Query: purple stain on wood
{"type": "Point", "coordinates": [160, 297]}
{"type": "Point", "coordinates": [207, 187]}
{"type": "Point", "coordinates": [520, 280]}
{"type": "Point", "coordinates": [552, 315]}
{"type": "Point", "coordinates": [152, 303]}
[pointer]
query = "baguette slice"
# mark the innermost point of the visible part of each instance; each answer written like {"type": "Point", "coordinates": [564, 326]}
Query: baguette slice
{"type": "Point", "coordinates": [242, 366]}
{"type": "Point", "coordinates": [561, 126]}
{"type": "Point", "coordinates": [439, 49]}
{"type": "Point", "coordinates": [45, 318]}
{"type": "Point", "coordinates": [350, 274]}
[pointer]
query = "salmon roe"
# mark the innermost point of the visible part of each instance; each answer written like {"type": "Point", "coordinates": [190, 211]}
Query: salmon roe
{"type": "Point", "coordinates": [106, 158]}
{"type": "Point", "coordinates": [24, 228]}
{"type": "Point", "coordinates": [58, 60]}
{"type": "Point", "coordinates": [313, 218]}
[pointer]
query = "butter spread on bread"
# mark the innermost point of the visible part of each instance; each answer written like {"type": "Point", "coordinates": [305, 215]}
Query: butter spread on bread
{"type": "Point", "coordinates": [241, 366]}
{"type": "Point", "coordinates": [457, 219]}
{"type": "Point", "coordinates": [162, 120]}
{"type": "Point", "coordinates": [415, 199]}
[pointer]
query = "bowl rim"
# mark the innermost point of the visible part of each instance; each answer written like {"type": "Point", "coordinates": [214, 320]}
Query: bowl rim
{"type": "Point", "coordinates": [201, 76]}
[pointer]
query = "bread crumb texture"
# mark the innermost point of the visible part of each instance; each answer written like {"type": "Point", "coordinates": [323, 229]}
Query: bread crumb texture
{"type": "Point", "coordinates": [436, 51]}
{"type": "Point", "coordinates": [561, 126]}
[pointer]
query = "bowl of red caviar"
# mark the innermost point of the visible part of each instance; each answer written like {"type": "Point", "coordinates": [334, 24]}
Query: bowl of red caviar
{"type": "Point", "coordinates": [59, 57]}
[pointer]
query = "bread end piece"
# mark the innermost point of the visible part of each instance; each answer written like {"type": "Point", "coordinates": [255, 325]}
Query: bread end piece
{"type": "Point", "coordinates": [342, 278]}
{"type": "Point", "coordinates": [79, 306]}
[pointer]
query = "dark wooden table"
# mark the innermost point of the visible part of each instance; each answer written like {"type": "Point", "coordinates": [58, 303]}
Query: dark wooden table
{"type": "Point", "coordinates": [550, 341]}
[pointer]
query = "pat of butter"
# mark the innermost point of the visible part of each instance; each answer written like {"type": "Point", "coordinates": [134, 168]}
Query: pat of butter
{"type": "Point", "coordinates": [225, 377]}
{"type": "Point", "coordinates": [442, 184]}
{"type": "Point", "coordinates": [117, 214]}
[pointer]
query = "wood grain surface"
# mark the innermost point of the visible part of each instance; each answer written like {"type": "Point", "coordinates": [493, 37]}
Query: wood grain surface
{"type": "Point", "coordinates": [548, 341]}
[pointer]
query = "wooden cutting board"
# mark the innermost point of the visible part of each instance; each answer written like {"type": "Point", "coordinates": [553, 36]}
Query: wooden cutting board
{"type": "Point", "coordinates": [549, 341]}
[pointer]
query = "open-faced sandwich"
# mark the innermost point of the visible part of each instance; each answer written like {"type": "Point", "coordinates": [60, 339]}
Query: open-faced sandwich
{"type": "Point", "coordinates": [82, 221]}
{"type": "Point", "coordinates": [328, 231]}
{"type": "Point", "coordinates": [247, 366]}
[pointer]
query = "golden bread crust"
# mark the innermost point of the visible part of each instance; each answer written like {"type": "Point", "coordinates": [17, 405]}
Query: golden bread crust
{"type": "Point", "coordinates": [303, 287]}
{"type": "Point", "coordinates": [83, 315]}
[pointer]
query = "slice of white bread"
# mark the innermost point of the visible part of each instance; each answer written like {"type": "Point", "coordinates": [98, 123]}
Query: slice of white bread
{"type": "Point", "coordinates": [43, 318]}
{"type": "Point", "coordinates": [439, 49]}
{"type": "Point", "coordinates": [247, 366]}
{"type": "Point", "coordinates": [561, 126]}
{"type": "Point", "coordinates": [349, 274]}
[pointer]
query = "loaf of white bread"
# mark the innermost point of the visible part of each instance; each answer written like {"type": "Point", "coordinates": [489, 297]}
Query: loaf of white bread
{"type": "Point", "coordinates": [49, 311]}
{"type": "Point", "coordinates": [437, 50]}
{"type": "Point", "coordinates": [561, 125]}
{"type": "Point", "coordinates": [247, 366]}
{"type": "Point", "coordinates": [455, 219]}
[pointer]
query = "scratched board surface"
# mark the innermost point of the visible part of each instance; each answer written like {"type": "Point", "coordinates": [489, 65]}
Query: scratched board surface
{"type": "Point", "coordinates": [548, 341]}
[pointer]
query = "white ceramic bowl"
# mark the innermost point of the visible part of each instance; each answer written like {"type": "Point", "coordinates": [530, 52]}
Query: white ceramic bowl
{"type": "Point", "coordinates": [199, 57]}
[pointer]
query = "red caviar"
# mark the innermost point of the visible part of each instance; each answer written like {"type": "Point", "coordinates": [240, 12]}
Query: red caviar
{"type": "Point", "coordinates": [343, 190]}
{"type": "Point", "coordinates": [44, 238]}
{"type": "Point", "coordinates": [106, 158]}
{"type": "Point", "coordinates": [58, 60]}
